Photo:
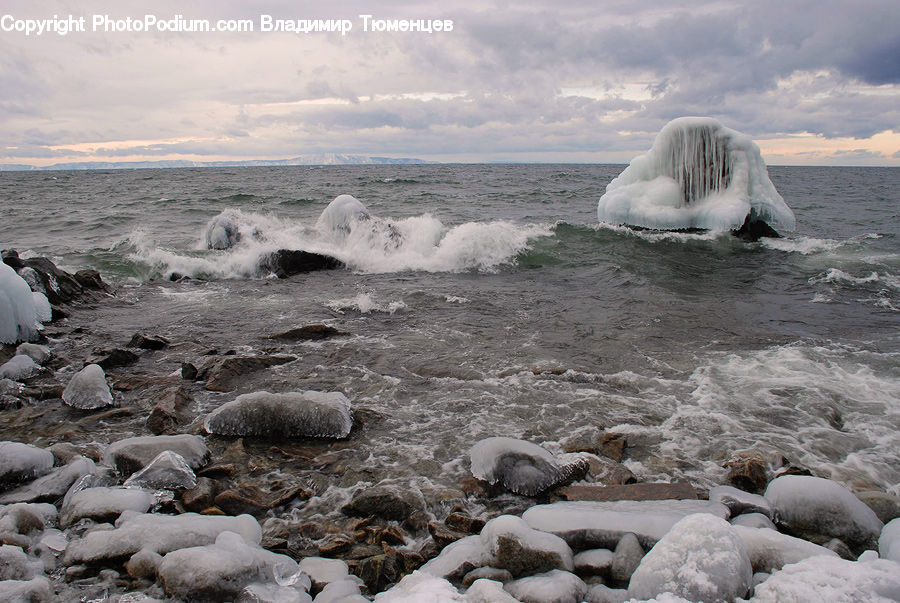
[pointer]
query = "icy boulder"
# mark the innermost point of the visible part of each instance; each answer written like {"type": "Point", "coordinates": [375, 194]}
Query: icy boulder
{"type": "Point", "coordinates": [520, 466]}
{"type": "Point", "coordinates": [459, 558]}
{"type": "Point", "coordinates": [159, 534]}
{"type": "Point", "coordinates": [770, 550]}
{"type": "Point", "coordinates": [420, 586]}
{"type": "Point", "coordinates": [739, 502]}
{"type": "Point", "coordinates": [103, 504]}
{"type": "Point", "coordinates": [37, 589]}
{"type": "Point", "coordinates": [698, 174]}
{"type": "Point", "coordinates": [21, 311]}
{"type": "Point", "coordinates": [88, 389]}
{"type": "Point", "coordinates": [52, 486]}
{"type": "Point", "coordinates": [19, 462]}
{"type": "Point", "coordinates": [228, 229]}
{"type": "Point", "coordinates": [219, 571]}
{"type": "Point", "coordinates": [131, 454]}
{"type": "Point", "coordinates": [16, 565]}
{"type": "Point", "coordinates": [18, 368]}
{"type": "Point", "coordinates": [832, 579]}
{"type": "Point", "coordinates": [341, 214]}
{"type": "Point", "coordinates": [305, 414]}
{"type": "Point", "coordinates": [889, 541]}
{"type": "Point", "coordinates": [39, 353]}
{"type": "Point", "coordinates": [819, 509]}
{"type": "Point", "coordinates": [523, 550]}
{"type": "Point", "coordinates": [168, 471]}
{"type": "Point", "coordinates": [555, 586]}
{"type": "Point", "coordinates": [701, 559]}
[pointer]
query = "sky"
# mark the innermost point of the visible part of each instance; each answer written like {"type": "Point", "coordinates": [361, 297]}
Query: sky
{"type": "Point", "coordinates": [812, 82]}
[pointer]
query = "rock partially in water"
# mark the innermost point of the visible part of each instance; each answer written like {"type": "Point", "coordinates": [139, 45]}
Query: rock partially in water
{"type": "Point", "coordinates": [169, 411]}
{"type": "Point", "coordinates": [20, 462]}
{"type": "Point", "coordinates": [305, 414]}
{"type": "Point", "coordinates": [112, 358]}
{"type": "Point", "coordinates": [104, 504]}
{"type": "Point", "coordinates": [386, 502]}
{"type": "Point", "coordinates": [308, 333]}
{"type": "Point", "coordinates": [167, 471]}
{"type": "Point", "coordinates": [219, 571]}
{"type": "Point", "coordinates": [522, 467]}
{"type": "Point", "coordinates": [88, 389]}
{"type": "Point", "coordinates": [288, 262]}
{"type": "Point", "coordinates": [222, 374]}
{"type": "Point", "coordinates": [747, 471]}
{"type": "Point", "coordinates": [132, 454]}
{"type": "Point", "coordinates": [700, 559]}
{"type": "Point", "coordinates": [148, 342]}
{"type": "Point", "coordinates": [818, 510]}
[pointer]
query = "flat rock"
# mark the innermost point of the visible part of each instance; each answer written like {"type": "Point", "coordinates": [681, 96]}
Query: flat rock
{"type": "Point", "coordinates": [20, 462]}
{"type": "Point", "coordinates": [88, 390]}
{"type": "Point", "coordinates": [222, 374]}
{"type": "Point", "coordinates": [305, 414]}
{"type": "Point", "coordinates": [103, 504]}
{"type": "Point", "coordinates": [131, 454]}
{"type": "Point", "coordinates": [652, 491]}
{"type": "Point", "coordinates": [308, 333]}
{"type": "Point", "coordinates": [50, 487]}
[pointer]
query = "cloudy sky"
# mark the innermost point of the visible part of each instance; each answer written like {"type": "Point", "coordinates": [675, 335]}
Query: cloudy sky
{"type": "Point", "coordinates": [813, 82]}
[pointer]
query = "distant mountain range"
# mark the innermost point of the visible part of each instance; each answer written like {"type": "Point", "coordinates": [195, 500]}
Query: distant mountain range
{"type": "Point", "coordinates": [321, 159]}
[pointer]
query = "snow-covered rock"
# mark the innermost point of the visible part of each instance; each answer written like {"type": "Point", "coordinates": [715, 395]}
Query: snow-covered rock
{"type": "Point", "coordinates": [158, 533]}
{"type": "Point", "coordinates": [167, 471]}
{"type": "Point", "coordinates": [342, 591]}
{"type": "Point", "coordinates": [52, 486]}
{"type": "Point", "coordinates": [459, 558]}
{"type": "Point", "coordinates": [698, 174]}
{"type": "Point", "coordinates": [488, 591]}
{"type": "Point", "coordinates": [555, 586]}
{"type": "Point", "coordinates": [594, 562]}
{"type": "Point", "coordinates": [522, 550]}
{"type": "Point", "coordinates": [88, 389]}
{"type": "Point", "coordinates": [770, 550]}
{"type": "Point", "coordinates": [701, 559]}
{"type": "Point", "coordinates": [600, 593]}
{"type": "Point", "coordinates": [104, 504]}
{"type": "Point", "coordinates": [626, 558]}
{"type": "Point", "coordinates": [18, 368]}
{"type": "Point", "coordinates": [322, 571]}
{"type": "Point", "coordinates": [418, 587]}
{"type": "Point", "coordinates": [753, 520]}
{"type": "Point", "coordinates": [132, 454]}
{"type": "Point", "coordinates": [832, 579]}
{"type": "Point", "coordinates": [306, 414]}
{"type": "Point", "coordinates": [814, 508]}
{"type": "Point", "coordinates": [589, 524]}
{"type": "Point", "coordinates": [19, 462]}
{"type": "Point", "coordinates": [36, 590]}
{"type": "Point", "coordinates": [272, 593]}
{"type": "Point", "coordinates": [20, 309]}
{"type": "Point", "coordinates": [221, 570]}
{"type": "Point", "coordinates": [740, 502]}
{"type": "Point", "coordinates": [889, 541]}
{"type": "Point", "coordinates": [341, 214]}
{"type": "Point", "coordinates": [16, 565]}
{"type": "Point", "coordinates": [520, 466]}
{"type": "Point", "coordinates": [39, 353]}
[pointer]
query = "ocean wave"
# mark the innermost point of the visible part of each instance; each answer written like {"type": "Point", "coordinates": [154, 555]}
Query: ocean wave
{"type": "Point", "coordinates": [836, 276]}
{"type": "Point", "coordinates": [812, 245]}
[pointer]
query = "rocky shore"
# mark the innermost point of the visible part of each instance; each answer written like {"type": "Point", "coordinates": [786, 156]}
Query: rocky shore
{"type": "Point", "coordinates": [117, 483]}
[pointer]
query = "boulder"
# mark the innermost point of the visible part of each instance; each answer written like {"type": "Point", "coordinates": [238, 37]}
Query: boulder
{"type": "Point", "coordinates": [88, 390]}
{"type": "Point", "coordinates": [167, 471]}
{"type": "Point", "coordinates": [103, 504]}
{"type": "Point", "coordinates": [769, 550]}
{"type": "Point", "coordinates": [50, 487]}
{"type": "Point", "coordinates": [832, 579]}
{"type": "Point", "coordinates": [740, 502]}
{"type": "Point", "coordinates": [112, 358]}
{"type": "Point", "coordinates": [39, 353]}
{"type": "Point", "coordinates": [288, 262]}
{"type": "Point", "coordinates": [308, 333]}
{"type": "Point", "coordinates": [555, 586]}
{"type": "Point", "coordinates": [522, 550]}
{"type": "Point", "coordinates": [131, 454]}
{"type": "Point", "coordinates": [386, 502]}
{"type": "Point", "coordinates": [169, 411]}
{"type": "Point", "coordinates": [700, 559]}
{"type": "Point", "coordinates": [18, 368]}
{"type": "Point", "coordinates": [626, 558]}
{"type": "Point", "coordinates": [747, 471]}
{"type": "Point", "coordinates": [522, 467]}
{"type": "Point", "coordinates": [885, 506]}
{"type": "Point", "coordinates": [305, 414]}
{"type": "Point", "coordinates": [20, 462]}
{"type": "Point", "coordinates": [148, 342]}
{"type": "Point", "coordinates": [889, 541]}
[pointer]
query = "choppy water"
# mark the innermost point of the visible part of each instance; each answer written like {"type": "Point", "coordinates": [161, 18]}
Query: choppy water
{"type": "Point", "coordinates": [508, 311]}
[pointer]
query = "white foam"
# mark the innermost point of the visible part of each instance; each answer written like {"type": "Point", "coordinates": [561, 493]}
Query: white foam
{"type": "Point", "coordinates": [366, 303]}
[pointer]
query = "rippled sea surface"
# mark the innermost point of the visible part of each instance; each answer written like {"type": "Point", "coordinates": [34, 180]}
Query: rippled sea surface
{"type": "Point", "coordinates": [505, 309]}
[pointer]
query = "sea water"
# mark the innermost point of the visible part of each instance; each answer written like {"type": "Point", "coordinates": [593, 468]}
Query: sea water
{"type": "Point", "coordinates": [507, 310]}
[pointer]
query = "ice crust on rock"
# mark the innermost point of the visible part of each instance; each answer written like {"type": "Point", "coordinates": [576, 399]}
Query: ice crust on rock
{"type": "Point", "coordinates": [322, 571]}
{"type": "Point", "coordinates": [555, 586]}
{"type": "Point", "coordinates": [88, 389]}
{"type": "Point", "coordinates": [342, 591]}
{"type": "Point", "coordinates": [420, 587]}
{"type": "Point", "coordinates": [520, 466]}
{"type": "Point", "coordinates": [272, 593]}
{"type": "Point", "coordinates": [522, 550]}
{"type": "Point", "coordinates": [221, 570]}
{"type": "Point", "coordinates": [158, 533]}
{"type": "Point", "coordinates": [740, 502]}
{"type": "Point", "coordinates": [104, 504]}
{"type": "Point", "coordinates": [18, 368]}
{"type": "Point", "coordinates": [458, 558]}
{"type": "Point", "coordinates": [131, 454]}
{"type": "Point", "coordinates": [16, 565]}
{"type": "Point", "coordinates": [832, 579]}
{"type": "Point", "coordinates": [19, 462]}
{"type": "Point", "coordinates": [753, 520]}
{"type": "Point", "coordinates": [305, 414]}
{"type": "Point", "coordinates": [588, 524]}
{"type": "Point", "coordinates": [770, 550]}
{"type": "Point", "coordinates": [39, 353]}
{"type": "Point", "coordinates": [21, 310]}
{"type": "Point", "coordinates": [167, 471]}
{"type": "Point", "coordinates": [488, 591]}
{"type": "Point", "coordinates": [889, 541]}
{"type": "Point", "coordinates": [698, 174]}
{"type": "Point", "coordinates": [52, 486]}
{"type": "Point", "coordinates": [37, 589]}
{"type": "Point", "coordinates": [701, 559]}
{"type": "Point", "coordinates": [341, 214]}
{"type": "Point", "coordinates": [817, 508]}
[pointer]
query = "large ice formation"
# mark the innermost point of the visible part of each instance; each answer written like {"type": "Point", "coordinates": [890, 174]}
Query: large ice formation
{"type": "Point", "coordinates": [21, 310]}
{"type": "Point", "coordinates": [520, 466]}
{"type": "Point", "coordinates": [698, 175]}
{"type": "Point", "coordinates": [341, 213]}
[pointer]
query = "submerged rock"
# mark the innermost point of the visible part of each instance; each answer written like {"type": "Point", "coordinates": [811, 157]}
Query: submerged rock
{"type": "Point", "coordinates": [522, 467]}
{"type": "Point", "coordinates": [306, 414]}
{"type": "Point", "coordinates": [88, 389]}
{"type": "Point", "coordinates": [223, 373]}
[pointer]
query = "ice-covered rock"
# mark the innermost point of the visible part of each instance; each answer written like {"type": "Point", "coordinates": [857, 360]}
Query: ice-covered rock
{"type": "Point", "coordinates": [227, 230]}
{"type": "Point", "coordinates": [221, 570]}
{"type": "Point", "coordinates": [588, 524]}
{"type": "Point", "coordinates": [18, 368]}
{"type": "Point", "coordinates": [753, 520]}
{"type": "Point", "coordinates": [832, 579]}
{"type": "Point", "coordinates": [341, 214]}
{"type": "Point", "coordinates": [770, 550]}
{"type": "Point", "coordinates": [342, 591]}
{"type": "Point", "coordinates": [88, 389]}
{"type": "Point", "coordinates": [420, 586]}
{"type": "Point", "coordinates": [520, 466]}
{"type": "Point", "coordinates": [819, 509]}
{"type": "Point", "coordinates": [104, 504]}
{"type": "Point", "coordinates": [167, 471]}
{"type": "Point", "coordinates": [39, 353]}
{"type": "Point", "coordinates": [698, 174]}
{"type": "Point", "coordinates": [626, 558]}
{"type": "Point", "coordinates": [701, 559]}
{"type": "Point", "coordinates": [52, 486]}
{"type": "Point", "coordinates": [600, 593]}
{"type": "Point", "coordinates": [306, 414]}
{"type": "Point", "coordinates": [132, 454]}
{"type": "Point", "coordinates": [488, 591]}
{"type": "Point", "coordinates": [522, 550]}
{"type": "Point", "coordinates": [36, 590]}
{"type": "Point", "coordinates": [16, 565]}
{"type": "Point", "coordinates": [383, 500]}
{"type": "Point", "coordinates": [555, 586]}
{"type": "Point", "coordinates": [272, 593]}
{"type": "Point", "coordinates": [50, 547]}
{"type": "Point", "coordinates": [158, 533]}
{"type": "Point", "coordinates": [594, 562]}
{"type": "Point", "coordinates": [322, 571]}
{"type": "Point", "coordinates": [889, 541]}
{"type": "Point", "coordinates": [20, 309]}
{"type": "Point", "coordinates": [19, 462]}
{"type": "Point", "coordinates": [459, 558]}
{"type": "Point", "coordinates": [740, 502]}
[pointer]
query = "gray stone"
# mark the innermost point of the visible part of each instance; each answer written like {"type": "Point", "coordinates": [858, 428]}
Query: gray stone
{"type": "Point", "coordinates": [626, 558]}
{"type": "Point", "coordinates": [88, 389]}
